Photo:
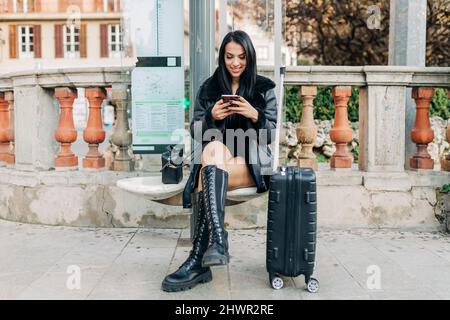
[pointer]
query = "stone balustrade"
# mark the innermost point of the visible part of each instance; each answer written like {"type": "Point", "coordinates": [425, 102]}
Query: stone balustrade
{"type": "Point", "coordinates": [28, 101]}
{"type": "Point", "coordinates": [40, 106]}
{"type": "Point", "coordinates": [37, 132]}
{"type": "Point", "coordinates": [382, 113]}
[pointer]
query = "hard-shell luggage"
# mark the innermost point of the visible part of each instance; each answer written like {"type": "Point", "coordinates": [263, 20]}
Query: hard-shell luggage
{"type": "Point", "coordinates": [292, 226]}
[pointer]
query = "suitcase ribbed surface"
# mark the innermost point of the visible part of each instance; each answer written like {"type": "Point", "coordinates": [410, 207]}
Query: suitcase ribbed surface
{"type": "Point", "coordinates": [292, 222]}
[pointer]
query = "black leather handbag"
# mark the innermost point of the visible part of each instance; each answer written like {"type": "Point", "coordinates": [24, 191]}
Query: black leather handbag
{"type": "Point", "coordinates": [172, 165]}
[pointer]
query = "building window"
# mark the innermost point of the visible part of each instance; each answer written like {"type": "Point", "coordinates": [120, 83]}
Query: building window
{"type": "Point", "coordinates": [26, 42]}
{"type": "Point", "coordinates": [115, 40]}
{"type": "Point", "coordinates": [71, 41]}
{"type": "Point", "coordinates": [111, 5]}
{"type": "Point", "coordinates": [20, 6]}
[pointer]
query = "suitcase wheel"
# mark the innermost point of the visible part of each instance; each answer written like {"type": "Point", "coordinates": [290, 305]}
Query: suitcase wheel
{"type": "Point", "coordinates": [276, 282]}
{"type": "Point", "coordinates": [312, 285]}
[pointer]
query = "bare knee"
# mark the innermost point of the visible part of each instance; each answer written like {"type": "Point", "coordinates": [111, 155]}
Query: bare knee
{"type": "Point", "coordinates": [215, 153]}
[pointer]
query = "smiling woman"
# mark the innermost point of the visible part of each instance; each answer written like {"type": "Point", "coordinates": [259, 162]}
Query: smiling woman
{"type": "Point", "coordinates": [235, 60]}
{"type": "Point", "coordinates": [240, 158]}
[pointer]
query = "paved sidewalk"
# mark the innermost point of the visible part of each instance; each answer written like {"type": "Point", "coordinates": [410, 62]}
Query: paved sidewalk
{"type": "Point", "coordinates": [130, 264]}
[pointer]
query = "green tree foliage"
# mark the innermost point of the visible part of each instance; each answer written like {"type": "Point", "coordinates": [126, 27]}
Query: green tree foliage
{"type": "Point", "coordinates": [440, 105]}
{"type": "Point", "coordinates": [347, 32]}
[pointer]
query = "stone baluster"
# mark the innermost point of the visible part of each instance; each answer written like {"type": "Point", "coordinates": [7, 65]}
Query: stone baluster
{"type": "Point", "coordinates": [422, 134]}
{"type": "Point", "coordinates": [4, 128]}
{"type": "Point", "coordinates": [122, 136]}
{"type": "Point", "coordinates": [341, 133]}
{"type": "Point", "coordinates": [66, 134]}
{"type": "Point", "coordinates": [445, 162]}
{"type": "Point", "coordinates": [11, 157]}
{"type": "Point", "coordinates": [94, 133]}
{"type": "Point", "coordinates": [307, 129]}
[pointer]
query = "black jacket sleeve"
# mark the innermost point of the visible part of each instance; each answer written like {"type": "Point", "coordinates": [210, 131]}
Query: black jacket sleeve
{"type": "Point", "coordinates": [202, 116]}
{"type": "Point", "coordinates": [267, 118]}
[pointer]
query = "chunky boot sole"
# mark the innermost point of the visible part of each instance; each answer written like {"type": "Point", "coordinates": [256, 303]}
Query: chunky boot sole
{"type": "Point", "coordinates": [175, 287]}
{"type": "Point", "coordinates": [215, 260]}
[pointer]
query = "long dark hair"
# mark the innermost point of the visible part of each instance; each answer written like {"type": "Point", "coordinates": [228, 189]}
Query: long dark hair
{"type": "Point", "coordinates": [248, 78]}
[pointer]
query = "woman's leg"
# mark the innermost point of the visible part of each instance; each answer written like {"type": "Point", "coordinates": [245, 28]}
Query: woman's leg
{"type": "Point", "coordinates": [220, 172]}
{"type": "Point", "coordinates": [238, 174]}
{"type": "Point", "coordinates": [216, 153]}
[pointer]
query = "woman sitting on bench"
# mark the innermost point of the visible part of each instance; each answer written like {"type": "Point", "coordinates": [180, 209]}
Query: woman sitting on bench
{"type": "Point", "coordinates": [235, 97]}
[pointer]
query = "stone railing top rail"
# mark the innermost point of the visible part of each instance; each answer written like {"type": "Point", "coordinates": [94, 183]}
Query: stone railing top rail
{"type": "Point", "coordinates": [368, 75]}
{"type": "Point", "coordinates": [300, 75]}
{"type": "Point", "coordinates": [67, 77]}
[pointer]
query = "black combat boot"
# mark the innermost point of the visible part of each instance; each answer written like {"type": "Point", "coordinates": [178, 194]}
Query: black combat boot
{"type": "Point", "coordinates": [215, 184]}
{"type": "Point", "coordinates": [191, 272]}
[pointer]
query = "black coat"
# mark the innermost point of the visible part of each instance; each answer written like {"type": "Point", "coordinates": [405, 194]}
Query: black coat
{"type": "Point", "coordinates": [264, 101]}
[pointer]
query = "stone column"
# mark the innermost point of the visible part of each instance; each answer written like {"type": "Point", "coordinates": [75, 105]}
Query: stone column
{"type": "Point", "coordinates": [422, 134]}
{"type": "Point", "coordinates": [341, 133]}
{"type": "Point", "coordinates": [4, 129]}
{"type": "Point", "coordinates": [66, 134]}
{"type": "Point", "coordinates": [381, 128]}
{"type": "Point", "coordinates": [445, 162]}
{"type": "Point", "coordinates": [35, 121]}
{"type": "Point", "coordinates": [307, 129]}
{"type": "Point", "coordinates": [407, 47]}
{"type": "Point", "coordinates": [11, 157]}
{"type": "Point", "coordinates": [94, 133]}
{"type": "Point", "coordinates": [122, 136]}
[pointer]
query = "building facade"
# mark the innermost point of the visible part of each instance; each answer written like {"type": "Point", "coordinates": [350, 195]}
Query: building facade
{"type": "Point", "coordinates": [38, 34]}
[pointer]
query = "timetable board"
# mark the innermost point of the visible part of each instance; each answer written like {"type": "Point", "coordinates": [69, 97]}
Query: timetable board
{"type": "Point", "coordinates": [157, 82]}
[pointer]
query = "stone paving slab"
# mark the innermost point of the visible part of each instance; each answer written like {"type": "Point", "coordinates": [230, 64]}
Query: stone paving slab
{"type": "Point", "coordinates": [35, 263]}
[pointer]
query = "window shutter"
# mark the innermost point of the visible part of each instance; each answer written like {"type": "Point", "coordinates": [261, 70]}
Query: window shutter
{"type": "Point", "coordinates": [104, 41]}
{"type": "Point", "coordinates": [83, 42]}
{"type": "Point", "coordinates": [13, 49]}
{"type": "Point", "coordinates": [59, 50]}
{"type": "Point", "coordinates": [31, 7]}
{"type": "Point", "coordinates": [37, 41]}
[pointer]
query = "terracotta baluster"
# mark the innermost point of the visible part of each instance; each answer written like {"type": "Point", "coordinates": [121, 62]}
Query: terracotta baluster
{"type": "Point", "coordinates": [422, 134]}
{"type": "Point", "coordinates": [11, 157]}
{"type": "Point", "coordinates": [66, 134]}
{"type": "Point", "coordinates": [341, 133]}
{"type": "Point", "coordinates": [4, 128]}
{"type": "Point", "coordinates": [94, 133]}
{"type": "Point", "coordinates": [445, 161]}
{"type": "Point", "coordinates": [307, 129]}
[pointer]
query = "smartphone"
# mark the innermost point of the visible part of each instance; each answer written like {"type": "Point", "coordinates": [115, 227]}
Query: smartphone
{"type": "Point", "coordinates": [229, 97]}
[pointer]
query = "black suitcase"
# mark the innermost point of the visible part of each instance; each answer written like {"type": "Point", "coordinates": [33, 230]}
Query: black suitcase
{"type": "Point", "coordinates": [292, 226]}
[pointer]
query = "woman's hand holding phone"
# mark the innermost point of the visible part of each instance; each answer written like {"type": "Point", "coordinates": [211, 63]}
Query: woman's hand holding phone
{"type": "Point", "coordinates": [220, 110]}
{"type": "Point", "coordinates": [244, 108]}
{"type": "Point", "coordinates": [230, 104]}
